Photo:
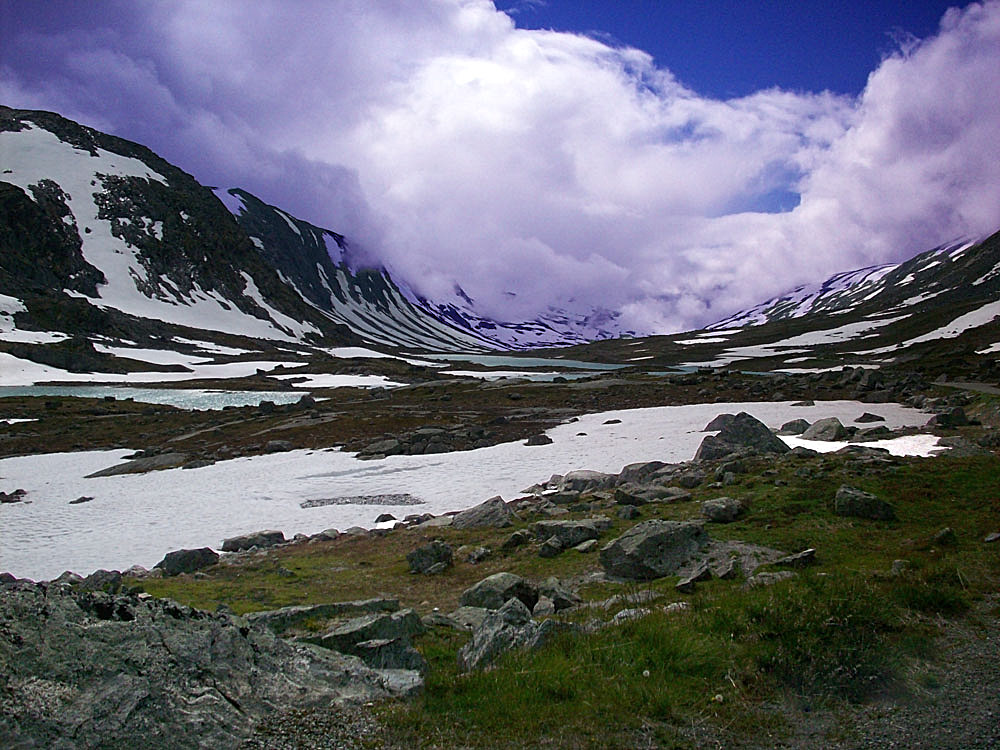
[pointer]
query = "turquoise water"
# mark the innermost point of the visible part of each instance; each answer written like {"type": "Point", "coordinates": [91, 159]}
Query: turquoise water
{"type": "Point", "coordinates": [183, 398]}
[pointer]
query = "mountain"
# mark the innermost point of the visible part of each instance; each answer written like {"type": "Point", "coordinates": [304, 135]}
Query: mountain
{"type": "Point", "coordinates": [937, 311]}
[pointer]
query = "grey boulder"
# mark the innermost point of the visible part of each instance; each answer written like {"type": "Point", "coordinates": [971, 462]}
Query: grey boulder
{"type": "Point", "coordinates": [268, 538]}
{"type": "Point", "coordinates": [492, 513]}
{"type": "Point", "coordinates": [653, 549]}
{"type": "Point", "coordinates": [187, 561]}
{"type": "Point", "coordinates": [829, 428]}
{"type": "Point", "coordinates": [855, 503]}
{"type": "Point", "coordinates": [493, 592]}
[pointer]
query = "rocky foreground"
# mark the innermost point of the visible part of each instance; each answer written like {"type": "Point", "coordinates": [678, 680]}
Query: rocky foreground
{"type": "Point", "coordinates": [96, 662]}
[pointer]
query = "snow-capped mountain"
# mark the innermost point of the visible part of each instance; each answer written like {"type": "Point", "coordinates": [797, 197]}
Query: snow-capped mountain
{"type": "Point", "coordinates": [98, 224]}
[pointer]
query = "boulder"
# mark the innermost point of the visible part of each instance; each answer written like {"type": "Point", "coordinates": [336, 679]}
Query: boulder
{"type": "Point", "coordinates": [855, 503]}
{"type": "Point", "coordinates": [282, 619]}
{"type": "Point", "coordinates": [518, 539]}
{"type": "Point", "coordinates": [743, 433]}
{"type": "Point", "coordinates": [795, 427]}
{"type": "Point", "coordinates": [187, 561]}
{"type": "Point", "coordinates": [802, 559]}
{"type": "Point", "coordinates": [653, 549]}
{"type": "Point", "coordinates": [142, 465]}
{"type": "Point", "coordinates": [431, 558]}
{"type": "Point", "coordinates": [494, 591]}
{"type": "Point", "coordinates": [722, 509]}
{"type": "Point", "coordinates": [639, 471]}
{"type": "Point", "coordinates": [267, 538]}
{"type": "Point", "coordinates": [540, 439]}
{"type": "Point", "coordinates": [492, 513]}
{"type": "Point", "coordinates": [721, 421]}
{"type": "Point", "coordinates": [551, 547]}
{"type": "Point", "coordinates": [953, 417]}
{"type": "Point", "coordinates": [583, 480]}
{"type": "Point", "coordinates": [382, 641]}
{"type": "Point", "coordinates": [829, 428]}
{"type": "Point", "coordinates": [868, 417]}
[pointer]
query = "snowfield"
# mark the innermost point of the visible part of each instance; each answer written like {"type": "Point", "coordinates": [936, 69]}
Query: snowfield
{"type": "Point", "coordinates": [136, 519]}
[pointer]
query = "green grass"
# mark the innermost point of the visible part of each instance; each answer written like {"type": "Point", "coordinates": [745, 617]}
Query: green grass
{"type": "Point", "coordinates": [840, 632]}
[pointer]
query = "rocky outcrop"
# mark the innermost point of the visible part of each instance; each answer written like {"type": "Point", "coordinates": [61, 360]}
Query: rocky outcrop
{"type": "Point", "coordinates": [93, 670]}
{"type": "Point", "coordinates": [382, 641]}
{"type": "Point", "coordinates": [505, 629]}
{"type": "Point", "coordinates": [280, 620]}
{"type": "Point", "coordinates": [653, 549]}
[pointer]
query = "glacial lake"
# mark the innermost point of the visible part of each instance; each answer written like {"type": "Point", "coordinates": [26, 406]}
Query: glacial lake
{"type": "Point", "coordinates": [183, 398]}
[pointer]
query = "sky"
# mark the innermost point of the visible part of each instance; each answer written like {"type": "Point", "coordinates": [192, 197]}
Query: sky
{"type": "Point", "coordinates": [673, 161]}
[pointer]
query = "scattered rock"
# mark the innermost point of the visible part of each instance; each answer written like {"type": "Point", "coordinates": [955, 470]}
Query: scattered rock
{"type": "Point", "coordinates": [518, 539]}
{"type": "Point", "coordinates": [722, 509]}
{"type": "Point", "coordinates": [267, 538]}
{"type": "Point", "coordinates": [768, 579]}
{"type": "Point", "coordinates": [551, 547]}
{"type": "Point", "coordinates": [852, 502]}
{"type": "Point", "coordinates": [492, 513]}
{"type": "Point", "coordinates": [868, 417]}
{"type": "Point", "coordinates": [687, 585]}
{"type": "Point", "coordinates": [187, 561]}
{"type": "Point", "coordinates": [571, 533]}
{"type": "Point", "coordinates": [478, 554]}
{"type": "Point", "coordinates": [653, 549]}
{"type": "Point", "coordinates": [430, 559]}
{"type": "Point", "coordinates": [12, 497]}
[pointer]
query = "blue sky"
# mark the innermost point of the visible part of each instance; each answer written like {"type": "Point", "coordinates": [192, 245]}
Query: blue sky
{"type": "Point", "coordinates": [670, 161]}
{"type": "Point", "coordinates": [727, 48]}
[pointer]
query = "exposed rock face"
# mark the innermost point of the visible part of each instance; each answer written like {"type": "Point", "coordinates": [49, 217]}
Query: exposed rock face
{"type": "Point", "coordinates": [268, 538]}
{"type": "Point", "coordinates": [493, 513]}
{"type": "Point", "coordinates": [187, 561]}
{"type": "Point", "coordinates": [653, 549]}
{"type": "Point", "coordinates": [850, 501]}
{"type": "Point", "coordinates": [493, 592]}
{"type": "Point", "coordinates": [743, 433]}
{"type": "Point", "coordinates": [90, 670]}
{"type": "Point", "coordinates": [829, 428]}
{"type": "Point", "coordinates": [279, 620]}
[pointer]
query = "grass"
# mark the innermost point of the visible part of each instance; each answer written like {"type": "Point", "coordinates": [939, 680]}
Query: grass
{"type": "Point", "coordinates": [834, 635]}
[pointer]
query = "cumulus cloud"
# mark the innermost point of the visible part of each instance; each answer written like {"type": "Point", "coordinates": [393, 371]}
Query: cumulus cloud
{"type": "Point", "coordinates": [536, 168]}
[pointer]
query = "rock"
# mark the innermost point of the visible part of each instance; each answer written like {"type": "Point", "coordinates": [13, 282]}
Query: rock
{"type": "Point", "coordinates": [954, 417]}
{"type": "Point", "coordinates": [83, 673]}
{"type": "Point", "coordinates": [142, 465]}
{"type": "Point", "coordinates": [277, 446]}
{"type": "Point", "coordinates": [492, 513]}
{"type": "Point", "coordinates": [631, 494]}
{"type": "Point", "coordinates": [961, 447]}
{"type": "Point", "coordinates": [588, 546]}
{"type": "Point", "coordinates": [945, 538]}
{"type": "Point", "coordinates": [687, 585]}
{"type": "Point", "coordinates": [653, 549]}
{"type": "Point", "coordinates": [990, 539]}
{"type": "Point", "coordinates": [721, 421]}
{"type": "Point", "coordinates": [494, 591]}
{"type": "Point", "coordinates": [518, 539]}
{"type": "Point", "coordinates": [80, 500]}
{"type": "Point", "coordinates": [852, 502]}
{"type": "Point", "coordinates": [436, 555]}
{"type": "Point", "coordinates": [802, 559]}
{"type": "Point", "coordinates": [507, 628]}
{"type": "Point", "coordinates": [377, 639]}
{"type": "Point", "coordinates": [795, 427]}
{"type": "Point", "coordinates": [630, 614]}
{"type": "Point", "coordinates": [690, 479]}
{"type": "Point", "coordinates": [16, 496]}
{"type": "Point", "coordinates": [109, 581]}
{"type": "Point", "coordinates": [868, 417]}
{"type": "Point", "coordinates": [267, 538]}
{"type": "Point", "coordinates": [768, 579]}
{"type": "Point", "coordinates": [639, 471]}
{"type": "Point", "coordinates": [742, 433]}
{"type": "Point", "coordinates": [187, 561]}
{"type": "Point", "coordinates": [722, 509]}
{"type": "Point", "coordinates": [543, 607]}
{"type": "Point", "coordinates": [384, 517]}
{"type": "Point", "coordinates": [569, 533]}
{"type": "Point", "coordinates": [478, 554]}
{"type": "Point", "coordinates": [561, 597]}
{"type": "Point", "coordinates": [540, 439]}
{"type": "Point", "coordinates": [899, 567]}
{"type": "Point", "coordinates": [828, 429]}
{"type": "Point", "coordinates": [582, 481]}
{"type": "Point", "coordinates": [551, 547]}
{"type": "Point", "coordinates": [200, 463]}
{"type": "Point", "coordinates": [628, 513]}
{"type": "Point", "coordinates": [807, 402]}
{"type": "Point", "coordinates": [280, 620]}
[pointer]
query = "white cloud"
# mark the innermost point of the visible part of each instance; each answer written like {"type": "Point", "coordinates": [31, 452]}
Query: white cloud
{"type": "Point", "coordinates": [462, 149]}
